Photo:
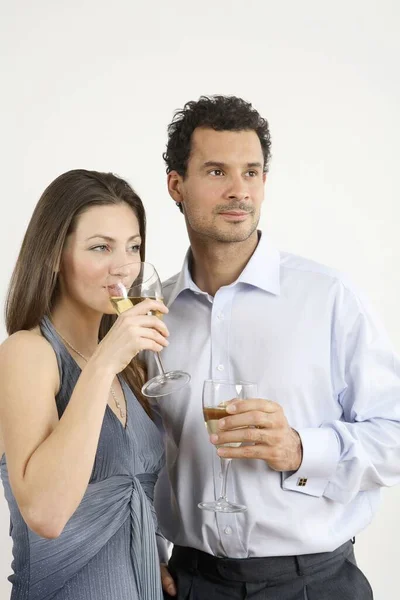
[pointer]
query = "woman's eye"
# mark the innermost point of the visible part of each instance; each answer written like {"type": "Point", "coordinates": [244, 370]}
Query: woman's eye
{"type": "Point", "coordinates": [135, 248]}
{"type": "Point", "coordinates": [100, 248]}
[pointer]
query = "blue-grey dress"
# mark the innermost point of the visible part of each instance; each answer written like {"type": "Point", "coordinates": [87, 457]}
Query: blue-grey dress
{"type": "Point", "coordinates": [107, 550]}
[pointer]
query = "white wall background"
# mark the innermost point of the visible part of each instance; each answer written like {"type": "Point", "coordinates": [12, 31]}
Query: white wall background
{"type": "Point", "coordinates": [93, 84]}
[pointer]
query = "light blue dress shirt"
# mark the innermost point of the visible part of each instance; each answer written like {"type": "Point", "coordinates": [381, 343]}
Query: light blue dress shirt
{"type": "Point", "coordinates": [310, 342]}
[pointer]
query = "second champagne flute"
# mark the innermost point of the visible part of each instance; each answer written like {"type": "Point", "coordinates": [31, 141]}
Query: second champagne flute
{"type": "Point", "coordinates": [216, 395]}
{"type": "Point", "coordinates": [127, 286]}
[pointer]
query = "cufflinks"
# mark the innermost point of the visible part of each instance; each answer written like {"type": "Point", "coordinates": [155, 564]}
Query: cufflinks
{"type": "Point", "coordinates": [301, 482]}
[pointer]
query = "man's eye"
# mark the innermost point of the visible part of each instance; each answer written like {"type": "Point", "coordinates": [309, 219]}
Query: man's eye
{"type": "Point", "coordinates": [252, 173]}
{"type": "Point", "coordinates": [216, 172]}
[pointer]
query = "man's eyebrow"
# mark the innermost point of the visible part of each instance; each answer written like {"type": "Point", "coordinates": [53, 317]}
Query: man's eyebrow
{"type": "Point", "coordinates": [214, 163]}
{"type": "Point", "coordinates": [222, 165]}
{"type": "Point", "coordinates": [110, 239]}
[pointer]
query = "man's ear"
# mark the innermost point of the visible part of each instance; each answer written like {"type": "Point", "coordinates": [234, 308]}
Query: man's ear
{"type": "Point", "coordinates": [174, 182]}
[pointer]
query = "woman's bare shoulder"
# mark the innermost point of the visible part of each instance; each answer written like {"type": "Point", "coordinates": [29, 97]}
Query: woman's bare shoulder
{"type": "Point", "coordinates": [28, 348]}
{"type": "Point", "coordinates": [19, 340]}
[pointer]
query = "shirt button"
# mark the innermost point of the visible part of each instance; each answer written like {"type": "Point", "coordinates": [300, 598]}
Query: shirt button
{"type": "Point", "coordinates": [228, 530]}
{"type": "Point", "coordinates": [220, 316]}
{"type": "Point", "coordinates": [220, 368]}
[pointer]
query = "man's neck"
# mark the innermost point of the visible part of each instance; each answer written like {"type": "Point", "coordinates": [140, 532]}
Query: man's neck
{"type": "Point", "coordinates": [216, 264]}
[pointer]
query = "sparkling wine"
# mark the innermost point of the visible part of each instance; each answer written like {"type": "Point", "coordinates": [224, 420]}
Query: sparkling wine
{"type": "Point", "coordinates": [212, 414]}
{"type": "Point", "coordinates": [122, 304]}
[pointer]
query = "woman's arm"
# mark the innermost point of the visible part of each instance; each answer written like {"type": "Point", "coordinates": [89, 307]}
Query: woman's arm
{"type": "Point", "coordinates": [49, 460]}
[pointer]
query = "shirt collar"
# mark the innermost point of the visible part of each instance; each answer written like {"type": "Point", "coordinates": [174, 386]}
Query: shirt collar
{"type": "Point", "coordinates": [263, 268]}
{"type": "Point", "coordinates": [262, 271]}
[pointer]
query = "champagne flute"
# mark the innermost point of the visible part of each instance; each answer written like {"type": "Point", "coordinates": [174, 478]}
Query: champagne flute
{"type": "Point", "coordinates": [216, 395]}
{"type": "Point", "coordinates": [128, 285]}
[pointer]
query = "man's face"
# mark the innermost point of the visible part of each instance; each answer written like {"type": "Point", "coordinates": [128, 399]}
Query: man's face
{"type": "Point", "coordinates": [224, 184]}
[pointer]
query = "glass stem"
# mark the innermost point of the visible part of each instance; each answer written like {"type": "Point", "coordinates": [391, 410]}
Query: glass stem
{"type": "Point", "coordinates": [159, 363]}
{"type": "Point", "coordinates": [225, 463]}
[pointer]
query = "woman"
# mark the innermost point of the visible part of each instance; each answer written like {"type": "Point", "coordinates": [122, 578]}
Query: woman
{"type": "Point", "coordinates": [81, 453]}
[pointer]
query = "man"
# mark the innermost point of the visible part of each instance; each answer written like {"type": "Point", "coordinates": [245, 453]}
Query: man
{"type": "Point", "coordinates": [326, 426]}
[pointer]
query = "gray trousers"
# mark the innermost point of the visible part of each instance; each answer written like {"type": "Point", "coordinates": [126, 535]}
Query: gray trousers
{"type": "Point", "coordinates": [324, 576]}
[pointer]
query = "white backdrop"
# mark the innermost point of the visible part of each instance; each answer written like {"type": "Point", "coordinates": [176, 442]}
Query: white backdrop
{"type": "Point", "coordinates": [93, 84]}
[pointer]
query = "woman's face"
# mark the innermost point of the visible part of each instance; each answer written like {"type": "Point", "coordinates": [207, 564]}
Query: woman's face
{"type": "Point", "coordinates": [105, 237]}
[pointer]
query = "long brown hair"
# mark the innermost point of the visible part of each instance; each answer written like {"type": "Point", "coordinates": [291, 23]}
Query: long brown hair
{"type": "Point", "coordinates": [33, 287]}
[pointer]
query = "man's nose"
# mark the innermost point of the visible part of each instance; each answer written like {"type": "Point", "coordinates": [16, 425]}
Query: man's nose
{"type": "Point", "coordinates": [238, 189]}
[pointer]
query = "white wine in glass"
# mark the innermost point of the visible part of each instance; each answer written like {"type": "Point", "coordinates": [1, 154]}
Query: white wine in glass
{"type": "Point", "coordinates": [216, 395]}
{"type": "Point", "coordinates": [121, 304]}
{"type": "Point", "coordinates": [128, 285]}
{"type": "Point", "coordinates": [211, 417]}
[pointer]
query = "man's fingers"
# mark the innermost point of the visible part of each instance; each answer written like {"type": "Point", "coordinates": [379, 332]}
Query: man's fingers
{"type": "Point", "coordinates": [245, 435]}
{"type": "Point", "coordinates": [237, 406]}
{"type": "Point", "coordinates": [168, 583]}
{"type": "Point", "coordinates": [254, 418]}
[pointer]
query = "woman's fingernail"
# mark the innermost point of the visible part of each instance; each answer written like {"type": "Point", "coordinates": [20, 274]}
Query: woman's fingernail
{"type": "Point", "coordinates": [213, 438]}
{"type": "Point", "coordinates": [231, 408]}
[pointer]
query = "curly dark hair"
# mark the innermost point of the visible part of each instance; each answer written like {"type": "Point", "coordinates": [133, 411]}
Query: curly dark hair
{"type": "Point", "coordinates": [222, 113]}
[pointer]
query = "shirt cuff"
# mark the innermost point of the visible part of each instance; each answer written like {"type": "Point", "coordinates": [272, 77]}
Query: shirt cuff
{"type": "Point", "coordinates": [321, 455]}
{"type": "Point", "coordinates": [162, 547]}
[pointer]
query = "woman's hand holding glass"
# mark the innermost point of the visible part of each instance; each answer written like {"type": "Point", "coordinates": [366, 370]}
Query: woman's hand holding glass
{"type": "Point", "coordinates": [130, 286]}
{"type": "Point", "coordinates": [134, 331]}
